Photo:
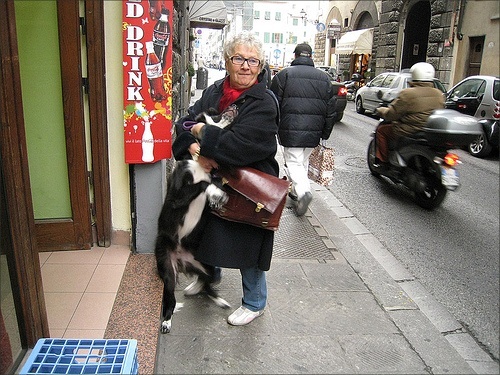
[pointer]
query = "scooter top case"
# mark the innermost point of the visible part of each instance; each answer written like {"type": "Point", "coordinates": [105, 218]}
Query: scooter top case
{"type": "Point", "coordinates": [450, 128]}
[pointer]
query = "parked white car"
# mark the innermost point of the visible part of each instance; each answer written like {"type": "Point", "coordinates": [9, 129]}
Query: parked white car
{"type": "Point", "coordinates": [383, 89]}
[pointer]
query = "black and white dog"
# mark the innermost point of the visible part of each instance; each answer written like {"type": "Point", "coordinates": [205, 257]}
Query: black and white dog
{"type": "Point", "coordinates": [189, 189]}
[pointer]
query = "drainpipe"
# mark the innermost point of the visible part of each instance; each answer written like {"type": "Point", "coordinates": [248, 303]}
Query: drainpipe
{"type": "Point", "coordinates": [461, 12]}
{"type": "Point", "coordinates": [184, 43]}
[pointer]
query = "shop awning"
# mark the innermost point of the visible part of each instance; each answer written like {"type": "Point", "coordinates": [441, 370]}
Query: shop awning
{"type": "Point", "coordinates": [358, 41]}
{"type": "Point", "coordinates": [207, 14]}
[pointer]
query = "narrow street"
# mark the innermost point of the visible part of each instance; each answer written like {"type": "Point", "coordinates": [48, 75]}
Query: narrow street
{"type": "Point", "coordinates": [453, 250]}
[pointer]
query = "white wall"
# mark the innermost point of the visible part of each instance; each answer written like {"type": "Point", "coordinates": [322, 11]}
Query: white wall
{"type": "Point", "coordinates": [119, 175]}
{"type": "Point", "coordinates": [480, 18]}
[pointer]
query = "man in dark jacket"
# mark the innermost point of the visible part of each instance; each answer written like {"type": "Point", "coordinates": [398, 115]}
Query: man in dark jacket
{"type": "Point", "coordinates": [307, 112]}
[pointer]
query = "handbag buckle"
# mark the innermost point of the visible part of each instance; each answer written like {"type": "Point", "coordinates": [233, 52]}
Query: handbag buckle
{"type": "Point", "coordinates": [259, 207]}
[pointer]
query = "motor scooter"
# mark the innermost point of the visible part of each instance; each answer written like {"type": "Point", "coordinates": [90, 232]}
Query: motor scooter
{"type": "Point", "coordinates": [352, 86]}
{"type": "Point", "coordinates": [423, 163]}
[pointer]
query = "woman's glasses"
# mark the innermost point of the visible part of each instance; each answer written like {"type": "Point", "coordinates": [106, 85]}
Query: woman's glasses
{"type": "Point", "coordinates": [238, 60]}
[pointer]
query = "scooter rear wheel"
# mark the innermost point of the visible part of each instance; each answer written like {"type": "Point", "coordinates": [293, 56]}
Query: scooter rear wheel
{"type": "Point", "coordinates": [430, 193]}
{"type": "Point", "coordinates": [370, 158]}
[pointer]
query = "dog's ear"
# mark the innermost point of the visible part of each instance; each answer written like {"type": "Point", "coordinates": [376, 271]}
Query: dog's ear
{"type": "Point", "coordinates": [211, 116]}
{"type": "Point", "coordinates": [214, 116]}
{"type": "Point", "coordinates": [210, 120]}
{"type": "Point", "coordinates": [201, 117]}
{"type": "Point", "coordinates": [212, 111]}
{"type": "Point", "coordinates": [180, 176]}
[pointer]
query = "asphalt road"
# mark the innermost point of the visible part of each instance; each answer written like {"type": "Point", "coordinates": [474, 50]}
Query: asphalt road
{"type": "Point", "coordinates": [454, 250]}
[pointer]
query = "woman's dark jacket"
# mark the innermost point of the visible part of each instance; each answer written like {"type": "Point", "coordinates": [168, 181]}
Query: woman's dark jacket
{"type": "Point", "coordinates": [249, 141]}
{"type": "Point", "coordinates": [307, 104]}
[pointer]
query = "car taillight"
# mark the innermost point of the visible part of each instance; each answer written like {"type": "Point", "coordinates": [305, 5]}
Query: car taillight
{"type": "Point", "coordinates": [451, 159]}
{"type": "Point", "coordinates": [342, 91]}
{"type": "Point", "coordinates": [496, 111]}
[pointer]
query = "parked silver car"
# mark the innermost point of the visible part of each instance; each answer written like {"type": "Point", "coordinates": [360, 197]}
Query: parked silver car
{"type": "Point", "coordinates": [330, 70]}
{"type": "Point", "coordinates": [383, 89]}
{"type": "Point", "coordinates": [479, 96]}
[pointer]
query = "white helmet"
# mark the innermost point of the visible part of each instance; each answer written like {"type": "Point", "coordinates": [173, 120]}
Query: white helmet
{"type": "Point", "coordinates": [422, 71]}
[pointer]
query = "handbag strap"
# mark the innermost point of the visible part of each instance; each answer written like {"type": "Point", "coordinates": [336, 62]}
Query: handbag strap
{"type": "Point", "coordinates": [277, 105]}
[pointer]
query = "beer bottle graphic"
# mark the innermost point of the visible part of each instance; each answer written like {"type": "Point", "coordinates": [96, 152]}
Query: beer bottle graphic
{"type": "Point", "coordinates": [154, 73]}
{"type": "Point", "coordinates": [161, 36]}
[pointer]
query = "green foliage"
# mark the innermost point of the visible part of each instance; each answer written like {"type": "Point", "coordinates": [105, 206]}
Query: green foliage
{"type": "Point", "coordinates": [190, 70]}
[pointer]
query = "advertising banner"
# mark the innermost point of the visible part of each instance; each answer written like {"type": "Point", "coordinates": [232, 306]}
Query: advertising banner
{"type": "Point", "coordinates": [147, 80]}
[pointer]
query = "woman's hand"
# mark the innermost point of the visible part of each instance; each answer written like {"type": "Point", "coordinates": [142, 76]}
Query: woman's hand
{"type": "Point", "coordinates": [196, 129]}
{"type": "Point", "coordinates": [207, 164]}
{"type": "Point", "coordinates": [194, 150]}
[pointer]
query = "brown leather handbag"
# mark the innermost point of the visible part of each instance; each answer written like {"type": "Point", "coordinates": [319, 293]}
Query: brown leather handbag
{"type": "Point", "coordinates": [255, 197]}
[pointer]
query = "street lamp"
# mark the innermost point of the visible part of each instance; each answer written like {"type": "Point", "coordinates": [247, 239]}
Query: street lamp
{"type": "Point", "coordinates": [303, 15]}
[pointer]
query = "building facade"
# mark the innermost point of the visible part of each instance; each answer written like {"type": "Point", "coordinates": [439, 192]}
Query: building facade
{"type": "Point", "coordinates": [459, 38]}
{"type": "Point", "coordinates": [94, 198]}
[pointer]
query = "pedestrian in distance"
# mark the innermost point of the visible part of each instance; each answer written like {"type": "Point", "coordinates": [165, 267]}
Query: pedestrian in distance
{"type": "Point", "coordinates": [307, 114]}
{"type": "Point", "coordinates": [250, 140]}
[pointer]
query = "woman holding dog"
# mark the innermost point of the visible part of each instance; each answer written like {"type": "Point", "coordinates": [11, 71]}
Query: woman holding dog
{"type": "Point", "coordinates": [249, 141]}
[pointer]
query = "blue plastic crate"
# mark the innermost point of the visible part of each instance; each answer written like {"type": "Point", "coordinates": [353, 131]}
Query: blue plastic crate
{"type": "Point", "coordinates": [75, 356]}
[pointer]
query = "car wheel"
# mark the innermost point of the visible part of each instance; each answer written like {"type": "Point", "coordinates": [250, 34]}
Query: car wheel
{"type": "Point", "coordinates": [339, 116]}
{"type": "Point", "coordinates": [480, 147]}
{"type": "Point", "coordinates": [359, 106]}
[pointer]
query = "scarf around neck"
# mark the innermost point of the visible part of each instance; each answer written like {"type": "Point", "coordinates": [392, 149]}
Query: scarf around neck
{"type": "Point", "coordinates": [229, 95]}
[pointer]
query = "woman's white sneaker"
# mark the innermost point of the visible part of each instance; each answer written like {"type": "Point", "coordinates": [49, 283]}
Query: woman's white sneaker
{"type": "Point", "coordinates": [243, 316]}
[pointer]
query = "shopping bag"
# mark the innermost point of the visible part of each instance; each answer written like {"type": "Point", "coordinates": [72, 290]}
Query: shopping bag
{"type": "Point", "coordinates": [321, 164]}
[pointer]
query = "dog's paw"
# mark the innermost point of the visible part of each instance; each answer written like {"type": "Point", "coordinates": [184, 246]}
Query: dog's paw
{"type": "Point", "coordinates": [216, 197]}
{"type": "Point", "coordinates": [221, 302]}
{"type": "Point", "coordinates": [217, 204]}
{"type": "Point", "coordinates": [166, 326]}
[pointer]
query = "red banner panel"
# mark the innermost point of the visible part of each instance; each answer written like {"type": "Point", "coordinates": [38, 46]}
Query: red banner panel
{"type": "Point", "coordinates": [147, 80]}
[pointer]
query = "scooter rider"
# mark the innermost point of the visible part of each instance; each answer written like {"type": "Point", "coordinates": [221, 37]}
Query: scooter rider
{"type": "Point", "coordinates": [408, 113]}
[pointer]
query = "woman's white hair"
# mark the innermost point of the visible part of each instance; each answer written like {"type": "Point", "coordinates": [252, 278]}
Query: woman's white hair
{"type": "Point", "coordinates": [246, 38]}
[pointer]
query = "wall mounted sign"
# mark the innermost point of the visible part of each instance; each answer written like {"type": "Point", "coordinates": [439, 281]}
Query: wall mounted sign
{"type": "Point", "coordinates": [333, 31]}
{"type": "Point", "coordinates": [147, 80]}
